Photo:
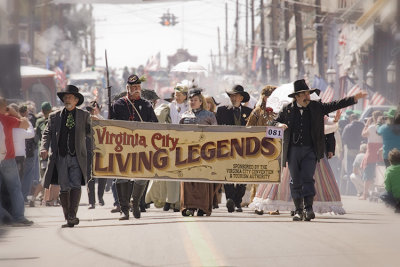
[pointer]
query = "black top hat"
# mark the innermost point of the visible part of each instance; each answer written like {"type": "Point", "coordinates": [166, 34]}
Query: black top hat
{"type": "Point", "coordinates": [301, 86]}
{"type": "Point", "coordinates": [133, 79]}
{"type": "Point", "coordinates": [71, 89]}
{"type": "Point", "coordinates": [193, 92]}
{"type": "Point", "coordinates": [238, 89]}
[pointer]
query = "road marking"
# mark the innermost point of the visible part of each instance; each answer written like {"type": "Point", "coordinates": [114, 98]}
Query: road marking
{"type": "Point", "coordinates": [201, 244]}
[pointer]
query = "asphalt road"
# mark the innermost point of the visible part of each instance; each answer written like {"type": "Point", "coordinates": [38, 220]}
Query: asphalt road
{"type": "Point", "coordinates": [367, 235]}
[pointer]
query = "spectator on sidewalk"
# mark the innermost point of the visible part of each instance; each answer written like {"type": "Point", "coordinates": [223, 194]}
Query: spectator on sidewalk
{"type": "Point", "coordinates": [392, 181]}
{"type": "Point", "coordinates": [390, 133]}
{"type": "Point", "coordinates": [357, 175]}
{"type": "Point", "coordinates": [8, 168]}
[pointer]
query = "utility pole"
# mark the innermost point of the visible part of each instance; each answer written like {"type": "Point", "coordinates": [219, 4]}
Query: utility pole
{"type": "Point", "coordinates": [397, 59]}
{"type": "Point", "coordinates": [246, 55]}
{"type": "Point", "coordinates": [31, 33]}
{"type": "Point", "coordinates": [286, 72]}
{"type": "Point", "coordinates": [92, 37]}
{"type": "Point", "coordinates": [237, 35]}
{"type": "Point", "coordinates": [226, 36]}
{"type": "Point", "coordinates": [14, 32]}
{"type": "Point", "coordinates": [299, 39]}
{"type": "Point", "coordinates": [320, 39]}
{"type": "Point", "coordinates": [274, 39]}
{"type": "Point", "coordinates": [252, 30]}
{"type": "Point", "coordinates": [219, 50]}
{"type": "Point", "coordinates": [262, 37]}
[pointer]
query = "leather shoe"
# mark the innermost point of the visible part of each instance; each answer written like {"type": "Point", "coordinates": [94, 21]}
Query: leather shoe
{"type": "Point", "coordinates": [167, 206]}
{"type": "Point", "coordinates": [259, 212]}
{"type": "Point", "coordinates": [239, 209]}
{"type": "Point", "coordinates": [298, 215]}
{"type": "Point", "coordinates": [116, 209]}
{"type": "Point", "coordinates": [101, 202]}
{"type": "Point", "coordinates": [200, 213]}
{"type": "Point", "coordinates": [309, 215]}
{"type": "Point", "coordinates": [91, 206]}
{"type": "Point", "coordinates": [230, 205]}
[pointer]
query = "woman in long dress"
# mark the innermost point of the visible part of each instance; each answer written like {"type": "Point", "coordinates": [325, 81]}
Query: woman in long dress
{"type": "Point", "coordinates": [195, 196]}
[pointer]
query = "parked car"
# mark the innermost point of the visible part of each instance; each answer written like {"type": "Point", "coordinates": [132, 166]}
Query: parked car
{"type": "Point", "coordinates": [369, 110]}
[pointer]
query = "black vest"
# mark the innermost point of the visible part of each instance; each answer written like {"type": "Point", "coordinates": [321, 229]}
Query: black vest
{"type": "Point", "coordinates": [301, 132]}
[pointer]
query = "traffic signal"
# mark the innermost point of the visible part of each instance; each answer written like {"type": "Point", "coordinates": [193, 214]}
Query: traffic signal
{"type": "Point", "coordinates": [168, 19]}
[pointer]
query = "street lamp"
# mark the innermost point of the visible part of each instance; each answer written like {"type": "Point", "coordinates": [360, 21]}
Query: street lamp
{"type": "Point", "coordinates": [391, 73]}
{"type": "Point", "coordinates": [391, 79]}
{"type": "Point", "coordinates": [370, 78]}
{"type": "Point", "coordinates": [331, 76]}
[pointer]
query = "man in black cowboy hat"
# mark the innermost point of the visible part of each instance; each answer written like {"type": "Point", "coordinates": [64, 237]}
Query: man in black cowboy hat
{"type": "Point", "coordinates": [132, 107]}
{"type": "Point", "coordinates": [64, 143]}
{"type": "Point", "coordinates": [304, 142]}
{"type": "Point", "coordinates": [234, 114]}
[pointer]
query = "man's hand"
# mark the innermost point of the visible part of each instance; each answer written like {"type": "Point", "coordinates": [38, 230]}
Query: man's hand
{"type": "Point", "coordinates": [282, 125]}
{"type": "Point", "coordinates": [360, 94]}
{"type": "Point", "coordinates": [330, 155]}
{"type": "Point", "coordinates": [24, 123]}
{"type": "Point", "coordinates": [43, 154]}
{"type": "Point", "coordinates": [337, 116]}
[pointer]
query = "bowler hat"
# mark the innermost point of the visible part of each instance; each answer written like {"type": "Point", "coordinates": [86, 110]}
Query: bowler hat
{"type": "Point", "coordinates": [301, 86]}
{"type": "Point", "coordinates": [238, 89]}
{"type": "Point", "coordinates": [73, 90]}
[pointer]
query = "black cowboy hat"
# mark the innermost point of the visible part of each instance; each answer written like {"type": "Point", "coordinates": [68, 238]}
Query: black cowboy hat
{"type": "Point", "coordinates": [149, 95]}
{"type": "Point", "coordinates": [71, 89]}
{"type": "Point", "coordinates": [301, 86]}
{"type": "Point", "coordinates": [238, 89]}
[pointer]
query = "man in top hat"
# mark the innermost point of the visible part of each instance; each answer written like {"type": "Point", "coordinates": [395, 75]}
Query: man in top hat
{"type": "Point", "coordinates": [304, 142]}
{"type": "Point", "coordinates": [132, 107]}
{"type": "Point", "coordinates": [64, 143]}
{"type": "Point", "coordinates": [234, 114]}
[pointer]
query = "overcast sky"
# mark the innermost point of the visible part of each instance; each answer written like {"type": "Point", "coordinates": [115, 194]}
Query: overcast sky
{"type": "Point", "coordinates": [132, 33]}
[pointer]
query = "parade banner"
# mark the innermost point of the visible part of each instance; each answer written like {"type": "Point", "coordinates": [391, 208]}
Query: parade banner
{"type": "Point", "coordinates": [218, 154]}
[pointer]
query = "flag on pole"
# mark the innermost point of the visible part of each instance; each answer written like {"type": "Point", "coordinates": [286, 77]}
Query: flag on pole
{"type": "Point", "coordinates": [61, 79]}
{"type": "Point", "coordinates": [327, 95]}
{"type": "Point", "coordinates": [377, 99]}
{"type": "Point", "coordinates": [354, 90]}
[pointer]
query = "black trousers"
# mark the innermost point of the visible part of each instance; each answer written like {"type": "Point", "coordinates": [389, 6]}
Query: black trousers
{"type": "Point", "coordinates": [101, 185]}
{"type": "Point", "coordinates": [235, 192]}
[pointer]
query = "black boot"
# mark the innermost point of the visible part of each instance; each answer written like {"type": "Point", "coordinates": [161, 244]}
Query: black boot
{"type": "Point", "coordinates": [143, 205]}
{"type": "Point", "coordinates": [298, 213]}
{"type": "Point", "coordinates": [75, 198]}
{"type": "Point", "coordinates": [308, 203]}
{"type": "Point", "coordinates": [64, 199]}
{"type": "Point", "coordinates": [167, 206]}
{"type": "Point", "coordinates": [123, 198]}
{"type": "Point", "coordinates": [138, 191]}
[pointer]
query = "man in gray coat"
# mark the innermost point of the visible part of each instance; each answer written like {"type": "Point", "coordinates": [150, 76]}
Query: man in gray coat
{"type": "Point", "coordinates": [64, 144]}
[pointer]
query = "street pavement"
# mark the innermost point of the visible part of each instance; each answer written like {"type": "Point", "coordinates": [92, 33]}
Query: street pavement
{"type": "Point", "coordinates": [367, 235]}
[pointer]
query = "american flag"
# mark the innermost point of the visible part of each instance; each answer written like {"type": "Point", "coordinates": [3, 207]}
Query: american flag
{"type": "Point", "coordinates": [377, 99]}
{"type": "Point", "coordinates": [354, 90]}
{"type": "Point", "coordinates": [327, 95]}
{"type": "Point", "coordinates": [61, 79]}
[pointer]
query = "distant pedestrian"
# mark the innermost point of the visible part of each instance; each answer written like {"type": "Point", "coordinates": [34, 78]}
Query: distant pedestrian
{"type": "Point", "coordinates": [392, 181]}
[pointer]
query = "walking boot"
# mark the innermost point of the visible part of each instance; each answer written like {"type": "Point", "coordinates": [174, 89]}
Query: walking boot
{"type": "Point", "coordinates": [230, 205]}
{"type": "Point", "coordinates": [298, 213]}
{"type": "Point", "coordinates": [138, 190]}
{"type": "Point", "coordinates": [167, 206]}
{"type": "Point", "coordinates": [308, 203]}
{"type": "Point", "coordinates": [64, 199]}
{"type": "Point", "coordinates": [75, 198]}
{"type": "Point", "coordinates": [123, 198]}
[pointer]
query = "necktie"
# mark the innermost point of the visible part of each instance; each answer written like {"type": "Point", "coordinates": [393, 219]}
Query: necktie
{"type": "Point", "coordinates": [236, 112]}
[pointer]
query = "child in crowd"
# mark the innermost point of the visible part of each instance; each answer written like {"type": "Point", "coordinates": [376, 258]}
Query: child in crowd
{"type": "Point", "coordinates": [392, 181]}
